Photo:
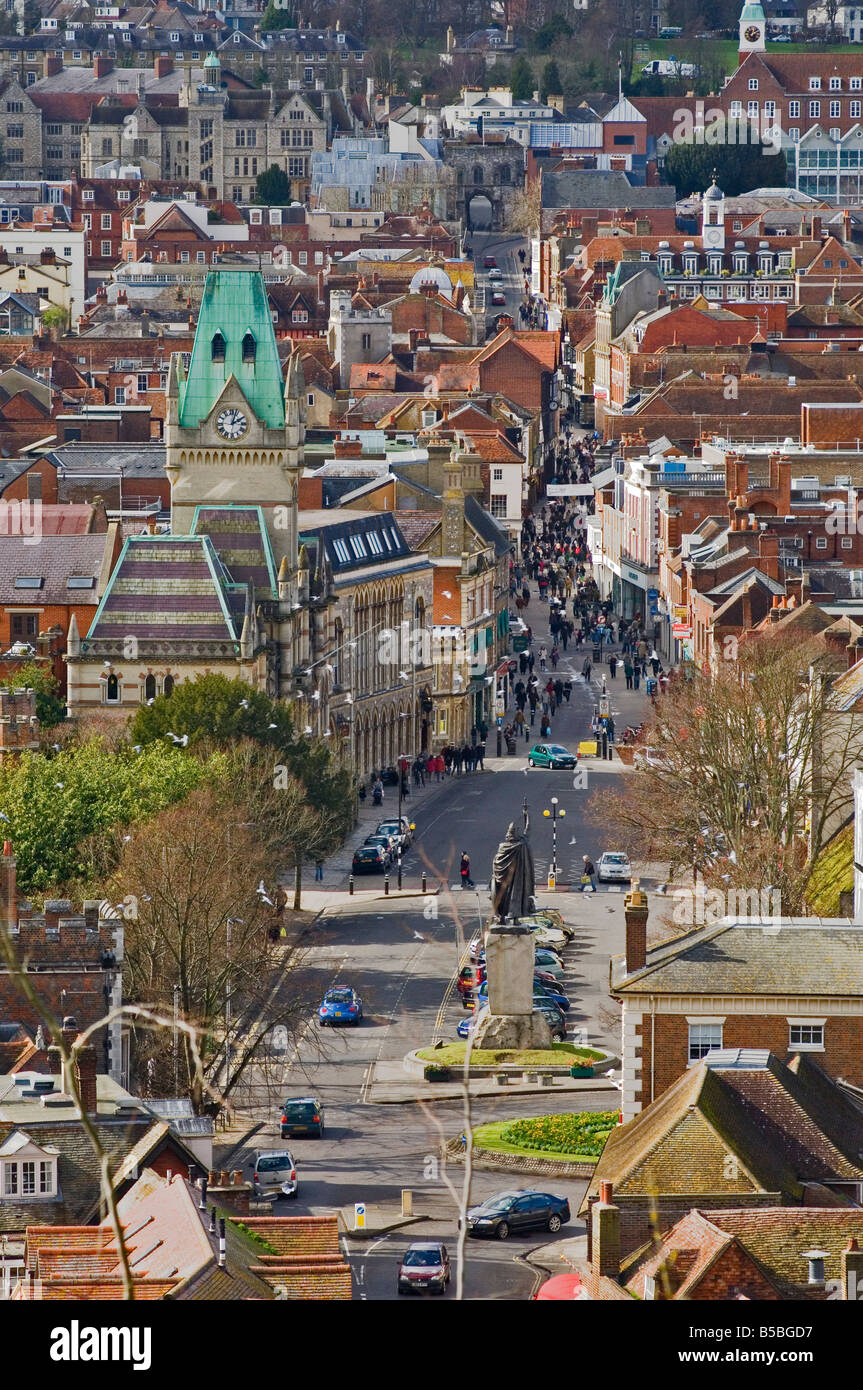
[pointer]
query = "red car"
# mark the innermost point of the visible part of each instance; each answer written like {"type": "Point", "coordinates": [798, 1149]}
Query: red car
{"type": "Point", "coordinates": [498, 297]}
{"type": "Point", "coordinates": [490, 263]}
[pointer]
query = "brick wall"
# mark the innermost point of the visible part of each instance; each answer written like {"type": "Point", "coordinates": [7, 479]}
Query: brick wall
{"type": "Point", "coordinates": [842, 1055]}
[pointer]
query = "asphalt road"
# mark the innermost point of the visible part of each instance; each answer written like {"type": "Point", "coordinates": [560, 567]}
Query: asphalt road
{"type": "Point", "coordinates": [401, 962]}
{"type": "Point", "coordinates": [402, 957]}
{"type": "Point", "coordinates": [505, 250]}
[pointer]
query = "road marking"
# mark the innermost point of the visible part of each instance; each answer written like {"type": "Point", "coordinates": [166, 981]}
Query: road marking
{"type": "Point", "coordinates": [289, 1061]}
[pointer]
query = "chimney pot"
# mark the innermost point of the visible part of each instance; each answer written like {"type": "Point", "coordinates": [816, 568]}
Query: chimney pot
{"type": "Point", "coordinates": [606, 1191]}
{"type": "Point", "coordinates": [635, 916]}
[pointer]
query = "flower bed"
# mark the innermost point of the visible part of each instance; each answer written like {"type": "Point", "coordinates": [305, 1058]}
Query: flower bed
{"type": "Point", "coordinates": [582, 1133]}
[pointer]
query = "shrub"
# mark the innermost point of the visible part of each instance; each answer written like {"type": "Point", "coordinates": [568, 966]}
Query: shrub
{"type": "Point", "coordinates": [433, 1072]}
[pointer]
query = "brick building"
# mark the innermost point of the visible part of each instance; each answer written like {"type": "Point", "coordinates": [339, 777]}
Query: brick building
{"type": "Point", "coordinates": [740, 1130]}
{"type": "Point", "coordinates": [785, 985]}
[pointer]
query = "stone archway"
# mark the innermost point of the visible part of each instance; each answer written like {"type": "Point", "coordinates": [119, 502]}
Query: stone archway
{"type": "Point", "coordinates": [479, 211]}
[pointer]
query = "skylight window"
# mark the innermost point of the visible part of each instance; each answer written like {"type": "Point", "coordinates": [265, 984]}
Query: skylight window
{"type": "Point", "coordinates": [29, 581]}
{"type": "Point", "coordinates": [80, 581]}
{"type": "Point", "coordinates": [374, 541]}
{"type": "Point", "coordinates": [341, 552]}
{"type": "Point", "coordinates": [358, 548]}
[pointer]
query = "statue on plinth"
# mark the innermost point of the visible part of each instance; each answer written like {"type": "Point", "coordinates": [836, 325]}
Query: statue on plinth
{"type": "Point", "coordinates": [510, 1021]}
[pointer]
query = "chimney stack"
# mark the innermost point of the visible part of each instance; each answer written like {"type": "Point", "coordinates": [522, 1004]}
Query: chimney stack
{"type": "Point", "coordinates": [605, 1238]}
{"type": "Point", "coordinates": [851, 1267]}
{"type": "Point", "coordinates": [86, 1078]}
{"type": "Point", "coordinates": [102, 65]}
{"type": "Point", "coordinates": [635, 917]}
{"type": "Point", "coordinates": [163, 67]}
{"type": "Point", "coordinates": [8, 888]}
{"type": "Point", "coordinates": [53, 65]}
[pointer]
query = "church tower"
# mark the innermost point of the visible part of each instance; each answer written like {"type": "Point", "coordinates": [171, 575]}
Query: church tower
{"type": "Point", "coordinates": [713, 218]}
{"type": "Point", "coordinates": [234, 430]}
{"type": "Point", "coordinates": [752, 30]}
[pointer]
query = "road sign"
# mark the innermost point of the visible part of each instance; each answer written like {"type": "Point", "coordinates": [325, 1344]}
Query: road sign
{"type": "Point", "coordinates": [681, 630]}
{"type": "Point", "coordinates": [359, 1216]}
{"type": "Point", "coordinates": [653, 594]}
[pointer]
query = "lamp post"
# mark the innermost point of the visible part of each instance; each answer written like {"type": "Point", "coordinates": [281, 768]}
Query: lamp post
{"type": "Point", "coordinates": [399, 759]}
{"type": "Point", "coordinates": [553, 815]}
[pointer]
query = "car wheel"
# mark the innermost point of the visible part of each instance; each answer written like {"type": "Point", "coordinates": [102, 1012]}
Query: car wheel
{"type": "Point", "coordinates": [502, 1231]}
{"type": "Point", "coordinates": [554, 1223]}
{"type": "Point", "coordinates": [531, 763]}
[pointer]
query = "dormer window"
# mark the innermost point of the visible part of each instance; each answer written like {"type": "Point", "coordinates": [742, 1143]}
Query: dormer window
{"type": "Point", "coordinates": [836, 84]}
{"type": "Point", "coordinates": [815, 84]}
{"type": "Point", "coordinates": [26, 1169]}
{"type": "Point", "coordinates": [218, 348]}
{"type": "Point", "coordinates": [249, 347]}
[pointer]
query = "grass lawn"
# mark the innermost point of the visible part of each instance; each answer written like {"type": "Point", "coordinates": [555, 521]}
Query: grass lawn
{"type": "Point", "coordinates": [491, 1137]}
{"type": "Point", "coordinates": [452, 1055]}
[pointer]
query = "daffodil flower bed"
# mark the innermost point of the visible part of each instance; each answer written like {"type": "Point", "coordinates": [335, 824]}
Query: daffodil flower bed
{"type": "Point", "coordinates": [580, 1135]}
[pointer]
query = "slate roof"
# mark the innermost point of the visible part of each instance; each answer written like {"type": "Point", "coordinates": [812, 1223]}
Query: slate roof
{"type": "Point", "coordinates": [167, 588]}
{"type": "Point", "coordinates": [748, 957]}
{"type": "Point", "coordinates": [587, 188]}
{"type": "Point", "coordinates": [240, 539]}
{"type": "Point", "coordinates": [786, 1125]}
{"type": "Point", "coordinates": [77, 1167]}
{"type": "Point", "coordinates": [133, 460]}
{"type": "Point", "coordinates": [488, 530]}
{"type": "Point", "coordinates": [388, 544]}
{"type": "Point", "coordinates": [54, 562]}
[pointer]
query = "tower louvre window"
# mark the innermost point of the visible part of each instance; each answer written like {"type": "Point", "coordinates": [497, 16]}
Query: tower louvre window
{"type": "Point", "coordinates": [218, 348]}
{"type": "Point", "coordinates": [249, 347]}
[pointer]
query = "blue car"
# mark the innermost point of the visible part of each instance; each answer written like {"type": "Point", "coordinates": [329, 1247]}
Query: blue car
{"type": "Point", "coordinates": [341, 1005]}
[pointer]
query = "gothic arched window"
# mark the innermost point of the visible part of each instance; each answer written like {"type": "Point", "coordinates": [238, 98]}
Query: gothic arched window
{"type": "Point", "coordinates": [218, 348]}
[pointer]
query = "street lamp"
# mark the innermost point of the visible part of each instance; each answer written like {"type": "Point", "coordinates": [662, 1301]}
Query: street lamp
{"type": "Point", "coordinates": [402, 757]}
{"type": "Point", "coordinates": [553, 815]}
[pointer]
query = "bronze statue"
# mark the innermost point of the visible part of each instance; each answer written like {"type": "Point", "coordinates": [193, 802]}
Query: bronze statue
{"type": "Point", "coordinates": [512, 877]}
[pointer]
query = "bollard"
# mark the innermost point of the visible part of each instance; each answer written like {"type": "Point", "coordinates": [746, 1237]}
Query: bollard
{"type": "Point", "coordinates": [424, 880]}
{"type": "Point", "coordinates": [400, 876]}
{"type": "Point", "coordinates": [407, 1202]}
{"type": "Point", "coordinates": [351, 885]}
{"type": "Point", "coordinates": [386, 884]}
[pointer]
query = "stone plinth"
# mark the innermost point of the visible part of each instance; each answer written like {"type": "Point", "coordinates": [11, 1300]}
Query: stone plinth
{"type": "Point", "coordinates": [509, 960]}
{"type": "Point", "coordinates": [515, 1031]}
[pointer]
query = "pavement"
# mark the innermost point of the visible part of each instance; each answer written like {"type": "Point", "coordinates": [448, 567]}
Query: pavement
{"type": "Point", "coordinates": [387, 1083]}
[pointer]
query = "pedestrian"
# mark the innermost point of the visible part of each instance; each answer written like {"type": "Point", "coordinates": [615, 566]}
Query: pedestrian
{"type": "Point", "coordinates": [319, 871]}
{"type": "Point", "coordinates": [586, 668]}
{"type": "Point", "coordinates": [636, 675]}
{"type": "Point", "coordinates": [464, 870]}
{"type": "Point", "coordinates": [612, 666]}
{"type": "Point", "coordinates": [655, 662]}
{"type": "Point", "coordinates": [567, 690]}
{"type": "Point", "coordinates": [480, 755]}
{"type": "Point", "coordinates": [555, 657]}
{"type": "Point", "coordinates": [627, 671]}
{"type": "Point", "coordinates": [588, 874]}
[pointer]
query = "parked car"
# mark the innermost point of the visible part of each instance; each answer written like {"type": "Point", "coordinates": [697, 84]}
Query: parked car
{"type": "Point", "coordinates": [552, 1015]}
{"type": "Point", "coordinates": [489, 262]}
{"type": "Point", "coordinates": [300, 1116]}
{"type": "Point", "coordinates": [548, 961]}
{"type": "Point", "coordinates": [389, 842]}
{"type": "Point", "coordinates": [370, 859]}
{"type": "Point", "coordinates": [525, 1210]}
{"type": "Point", "coordinates": [614, 867]}
{"type": "Point", "coordinates": [341, 1005]}
{"type": "Point", "coordinates": [498, 297]}
{"type": "Point", "coordinates": [466, 1025]}
{"type": "Point", "coordinates": [397, 829]}
{"type": "Point", "coordinates": [424, 1265]}
{"type": "Point", "coordinates": [274, 1174]}
{"type": "Point", "coordinates": [551, 991]}
{"type": "Point", "coordinates": [551, 755]}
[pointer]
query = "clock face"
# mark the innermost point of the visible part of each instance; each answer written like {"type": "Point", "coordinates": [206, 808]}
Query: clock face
{"type": "Point", "coordinates": [232, 423]}
{"type": "Point", "coordinates": [752, 34]}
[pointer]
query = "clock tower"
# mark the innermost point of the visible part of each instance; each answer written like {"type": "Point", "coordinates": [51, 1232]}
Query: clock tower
{"type": "Point", "coordinates": [753, 28]}
{"type": "Point", "coordinates": [234, 429]}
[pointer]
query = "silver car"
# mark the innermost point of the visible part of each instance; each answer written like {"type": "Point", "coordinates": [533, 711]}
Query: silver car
{"type": "Point", "coordinates": [274, 1175]}
{"type": "Point", "coordinates": [614, 867]}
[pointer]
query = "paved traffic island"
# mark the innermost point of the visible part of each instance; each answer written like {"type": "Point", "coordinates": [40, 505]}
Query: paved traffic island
{"type": "Point", "coordinates": [560, 1059]}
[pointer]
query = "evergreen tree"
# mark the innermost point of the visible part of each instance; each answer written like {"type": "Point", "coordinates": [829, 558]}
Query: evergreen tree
{"type": "Point", "coordinates": [552, 82]}
{"type": "Point", "coordinates": [521, 79]}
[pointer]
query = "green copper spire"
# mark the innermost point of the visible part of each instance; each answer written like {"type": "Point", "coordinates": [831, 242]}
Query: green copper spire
{"type": "Point", "coordinates": [234, 338]}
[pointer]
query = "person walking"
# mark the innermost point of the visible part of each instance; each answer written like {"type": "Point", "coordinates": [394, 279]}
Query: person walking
{"type": "Point", "coordinates": [627, 671]}
{"type": "Point", "coordinates": [464, 870]}
{"type": "Point", "coordinates": [586, 669]}
{"type": "Point", "coordinates": [612, 666]}
{"type": "Point", "coordinates": [588, 874]}
{"type": "Point", "coordinates": [636, 675]}
{"type": "Point", "coordinates": [543, 657]}
{"type": "Point", "coordinates": [319, 871]}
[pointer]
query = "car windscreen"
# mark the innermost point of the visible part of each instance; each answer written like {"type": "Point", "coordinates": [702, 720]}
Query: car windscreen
{"type": "Point", "coordinates": [422, 1257]}
{"type": "Point", "coordinates": [274, 1163]}
{"type": "Point", "coordinates": [299, 1111]}
{"type": "Point", "coordinates": [499, 1203]}
{"type": "Point", "coordinates": [557, 749]}
{"type": "Point", "coordinates": [339, 996]}
{"type": "Point", "coordinates": [615, 859]}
